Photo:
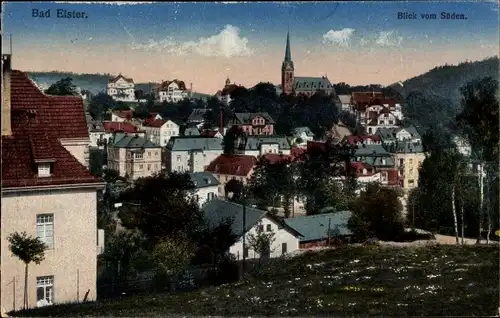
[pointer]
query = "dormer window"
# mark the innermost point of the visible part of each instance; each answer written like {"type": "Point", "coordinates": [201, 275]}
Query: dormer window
{"type": "Point", "coordinates": [44, 169]}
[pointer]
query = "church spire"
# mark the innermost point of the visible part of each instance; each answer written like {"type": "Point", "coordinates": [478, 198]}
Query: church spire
{"type": "Point", "coordinates": [288, 54]}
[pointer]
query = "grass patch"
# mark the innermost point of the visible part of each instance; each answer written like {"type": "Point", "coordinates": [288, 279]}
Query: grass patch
{"type": "Point", "coordinates": [350, 281]}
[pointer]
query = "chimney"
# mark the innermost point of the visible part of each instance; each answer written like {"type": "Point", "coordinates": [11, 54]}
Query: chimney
{"type": "Point", "coordinates": [6, 95]}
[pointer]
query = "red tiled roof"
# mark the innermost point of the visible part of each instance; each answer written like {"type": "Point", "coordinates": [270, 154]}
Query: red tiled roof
{"type": "Point", "coordinates": [353, 140]}
{"type": "Point", "coordinates": [126, 114]}
{"type": "Point", "coordinates": [235, 165]}
{"type": "Point", "coordinates": [298, 153]}
{"type": "Point", "coordinates": [208, 133]}
{"type": "Point", "coordinates": [38, 123]}
{"type": "Point", "coordinates": [384, 101]}
{"type": "Point", "coordinates": [157, 123]}
{"type": "Point", "coordinates": [112, 126]}
{"type": "Point", "coordinates": [275, 158]}
{"type": "Point", "coordinates": [320, 145]}
{"type": "Point", "coordinates": [359, 166]}
{"type": "Point", "coordinates": [115, 79]}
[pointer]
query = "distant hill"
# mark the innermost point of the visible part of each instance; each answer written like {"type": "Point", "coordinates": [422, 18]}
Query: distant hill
{"type": "Point", "coordinates": [94, 83]}
{"type": "Point", "coordinates": [445, 81]}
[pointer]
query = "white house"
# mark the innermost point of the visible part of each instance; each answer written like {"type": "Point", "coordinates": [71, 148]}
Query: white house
{"type": "Point", "coordinates": [463, 146]}
{"type": "Point", "coordinates": [207, 186]}
{"type": "Point", "coordinates": [345, 103]}
{"type": "Point", "coordinates": [259, 145]}
{"type": "Point", "coordinates": [173, 91]}
{"type": "Point", "coordinates": [304, 133]}
{"type": "Point", "coordinates": [121, 88]}
{"type": "Point", "coordinates": [285, 239]}
{"type": "Point", "coordinates": [191, 153]}
{"type": "Point", "coordinates": [160, 131]}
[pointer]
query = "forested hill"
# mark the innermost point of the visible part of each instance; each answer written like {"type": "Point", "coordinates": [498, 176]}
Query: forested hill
{"type": "Point", "coordinates": [445, 81]}
{"type": "Point", "coordinates": [94, 83]}
{"type": "Point", "coordinates": [433, 99]}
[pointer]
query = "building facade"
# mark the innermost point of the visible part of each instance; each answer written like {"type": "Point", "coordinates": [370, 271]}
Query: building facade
{"type": "Point", "coordinates": [254, 123]}
{"type": "Point", "coordinates": [48, 193]}
{"type": "Point", "coordinates": [133, 156]}
{"type": "Point", "coordinates": [173, 91]}
{"type": "Point", "coordinates": [191, 153]}
{"type": "Point", "coordinates": [231, 167]}
{"type": "Point", "coordinates": [159, 131]}
{"type": "Point", "coordinates": [121, 88]}
{"type": "Point", "coordinates": [207, 186]}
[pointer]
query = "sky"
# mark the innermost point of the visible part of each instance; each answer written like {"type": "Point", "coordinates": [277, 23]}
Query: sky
{"type": "Point", "coordinates": [204, 43]}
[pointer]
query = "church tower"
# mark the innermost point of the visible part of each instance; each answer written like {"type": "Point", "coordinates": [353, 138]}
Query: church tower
{"type": "Point", "coordinates": [287, 69]}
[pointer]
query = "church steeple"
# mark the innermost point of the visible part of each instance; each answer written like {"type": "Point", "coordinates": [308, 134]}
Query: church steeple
{"type": "Point", "coordinates": [287, 69]}
{"type": "Point", "coordinates": [288, 53]}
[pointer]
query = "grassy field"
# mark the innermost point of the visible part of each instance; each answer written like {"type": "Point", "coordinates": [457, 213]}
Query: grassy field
{"type": "Point", "coordinates": [350, 281]}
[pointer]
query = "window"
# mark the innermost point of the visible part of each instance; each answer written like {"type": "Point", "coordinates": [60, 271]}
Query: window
{"type": "Point", "coordinates": [401, 162]}
{"type": "Point", "coordinates": [178, 158]}
{"type": "Point", "coordinates": [245, 252]}
{"type": "Point", "coordinates": [386, 115]}
{"type": "Point", "coordinates": [45, 229]}
{"type": "Point", "coordinates": [149, 153]}
{"type": "Point", "coordinates": [411, 183]}
{"type": "Point", "coordinates": [149, 167]}
{"type": "Point", "coordinates": [138, 156]}
{"type": "Point", "coordinates": [411, 162]}
{"type": "Point", "coordinates": [197, 197]}
{"type": "Point", "coordinates": [210, 196]}
{"type": "Point", "coordinates": [141, 167]}
{"type": "Point", "coordinates": [44, 290]}
{"type": "Point", "coordinates": [261, 228]}
{"type": "Point", "coordinates": [268, 228]}
{"type": "Point", "coordinates": [283, 248]}
{"type": "Point", "coordinates": [44, 169]}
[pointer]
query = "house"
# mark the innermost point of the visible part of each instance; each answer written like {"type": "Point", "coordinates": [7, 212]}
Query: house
{"type": "Point", "coordinates": [362, 140]}
{"type": "Point", "coordinates": [121, 88]}
{"type": "Point", "coordinates": [392, 135]}
{"type": "Point", "coordinates": [111, 127]}
{"type": "Point", "coordinates": [96, 132]}
{"type": "Point", "coordinates": [48, 193]}
{"type": "Point", "coordinates": [207, 186]}
{"type": "Point", "coordinates": [211, 133]}
{"type": "Point", "coordinates": [254, 123]}
{"type": "Point", "coordinates": [224, 95]}
{"type": "Point", "coordinates": [159, 131]}
{"type": "Point", "coordinates": [302, 134]}
{"type": "Point", "coordinates": [133, 156]}
{"type": "Point", "coordinates": [286, 239]}
{"type": "Point", "coordinates": [317, 229]}
{"type": "Point", "coordinates": [122, 115]}
{"type": "Point", "coordinates": [345, 103]}
{"type": "Point", "coordinates": [228, 167]}
{"type": "Point", "coordinates": [191, 153]}
{"type": "Point", "coordinates": [382, 119]}
{"type": "Point", "coordinates": [259, 145]}
{"type": "Point", "coordinates": [173, 91]}
{"type": "Point", "coordinates": [338, 132]}
{"type": "Point", "coordinates": [191, 131]}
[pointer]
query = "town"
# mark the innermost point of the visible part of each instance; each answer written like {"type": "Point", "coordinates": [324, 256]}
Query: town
{"type": "Point", "coordinates": [157, 194]}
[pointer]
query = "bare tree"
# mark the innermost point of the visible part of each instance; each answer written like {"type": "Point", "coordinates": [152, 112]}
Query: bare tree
{"type": "Point", "coordinates": [261, 241]}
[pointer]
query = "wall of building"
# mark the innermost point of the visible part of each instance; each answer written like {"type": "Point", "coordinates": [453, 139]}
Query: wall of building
{"type": "Point", "coordinates": [73, 259]}
{"type": "Point", "coordinates": [203, 193]}
{"type": "Point", "coordinates": [280, 234]}
{"type": "Point", "coordinates": [79, 148]}
{"type": "Point", "coordinates": [182, 161]}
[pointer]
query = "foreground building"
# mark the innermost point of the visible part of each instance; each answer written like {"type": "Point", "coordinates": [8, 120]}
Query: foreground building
{"type": "Point", "coordinates": [48, 193]}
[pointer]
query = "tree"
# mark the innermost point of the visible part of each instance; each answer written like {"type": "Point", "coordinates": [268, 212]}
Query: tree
{"type": "Point", "coordinates": [234, 190]}
{"type": "Point", "coordinates": [261, 241]}
{"type": "Point", "coordinates": [380, 210]}
{"type": "Point", "coordinates": [141, 111]}
{"type": "Point", "coordinates": [162, 206]}
{"type": "Point", "coordinates": [232, 140]}
{"type": "Point", "coordinates": [29, 250]}
{"type": "Point", "coordinates": [214, 242]}
{"type": "Point", "coordinates": [121, 106]}
{"type": "Point", "coordinates": [171, 256]}
{"type": "Point", "coordinates": [63, 87]}
{"type": "Point", "coordinates": [100, 104]}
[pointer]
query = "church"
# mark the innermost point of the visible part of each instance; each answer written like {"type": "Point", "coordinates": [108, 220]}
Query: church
{"type": "Point", "coordinates": [291, 84]}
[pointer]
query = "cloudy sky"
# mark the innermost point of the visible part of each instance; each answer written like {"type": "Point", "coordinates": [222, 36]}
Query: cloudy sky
{"type": "Point", "coordinates": [203, 43]}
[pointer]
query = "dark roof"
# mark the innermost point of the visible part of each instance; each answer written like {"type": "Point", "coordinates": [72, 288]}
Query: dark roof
{"type": "Point", "coordinates": [115, 79]}
{"type": "Point", "coordinates": [312, 84]}
{"type": "Point", "coordinates": [371, 150]}
{"type": "Point", "coordinates": [121, 140]}
{"type": "Point", "coordinates": [203, 179]}
{"type": "Point", "coordinates": [38, 122]}
{"type": "Point", "coordinates": [217, 211]}
{"type": "Point", "coordinates": [354, 140]}
{"type": "Point", "coordinates": [156, 123]}
{"type": "Point", "coordinates": [254, 142]}
{"type": "Point", "coordinates": [315, 227]}
{"type": "Point", "coordinates": [274, 158]}
{"type": "Point", "coordinates": [246, 118]}
{"type": "Point", "coordinates": [197, 115]}
{"type": "Point", "coordinates": [193, 143]}
{"type": "Point", "coordinates": [234, 165]}
{"type": "Point", "coordinates": [165, 84]}
{"type": "Point", "coordinates": [191, 131]}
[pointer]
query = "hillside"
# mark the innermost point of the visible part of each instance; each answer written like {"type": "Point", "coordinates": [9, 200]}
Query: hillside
{"type": "Point", "coordinates": [347, 281]}
{"type": "Point", "coordinates": [94, 83]}
{"type": "Point", "coordinates": [433, 99]}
